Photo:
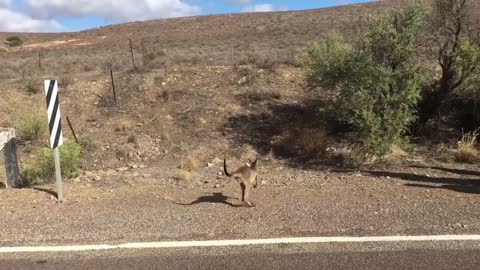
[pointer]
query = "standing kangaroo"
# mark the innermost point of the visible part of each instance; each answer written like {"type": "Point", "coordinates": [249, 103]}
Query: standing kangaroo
{"type": "Point", "coordinates": [247, 177]}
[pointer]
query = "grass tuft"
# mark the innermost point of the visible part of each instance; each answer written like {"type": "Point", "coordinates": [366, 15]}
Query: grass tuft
{"type": "Point", "coordinates": [466, 148]}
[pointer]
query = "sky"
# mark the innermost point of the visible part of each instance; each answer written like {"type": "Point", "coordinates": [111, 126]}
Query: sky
{"type": "Point", "coordinates": [77, 15]}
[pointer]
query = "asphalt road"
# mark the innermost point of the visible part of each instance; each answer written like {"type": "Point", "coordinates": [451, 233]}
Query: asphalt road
{"type": "Point", "coordinates": [418, 255]}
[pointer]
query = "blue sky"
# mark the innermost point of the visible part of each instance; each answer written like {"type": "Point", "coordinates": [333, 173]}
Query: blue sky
{"type": "Point", "coordinates": [75, 15]}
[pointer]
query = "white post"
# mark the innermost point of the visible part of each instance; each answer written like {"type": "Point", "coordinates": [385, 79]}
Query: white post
{"type": "Point", "coordinates": [55, 127]}
{"type": "Point", "coordinates": [58, 174]}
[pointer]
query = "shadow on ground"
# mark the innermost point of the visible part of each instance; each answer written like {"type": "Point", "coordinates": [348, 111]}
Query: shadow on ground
{"type": "Point", "coordinates": [217, 198]}
{"type": "Point", "coordinates": [48, 191]}
{"type": "Point", "coordinates": [276, 126]}
{"type": "Point", "coordinates": [464, 185]}
{"type": "Point", "coordinates": [456, 171]}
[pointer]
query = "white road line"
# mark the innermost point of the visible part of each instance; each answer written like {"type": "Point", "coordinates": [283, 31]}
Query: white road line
{"type": "Point", "coordinates": [246, 242]}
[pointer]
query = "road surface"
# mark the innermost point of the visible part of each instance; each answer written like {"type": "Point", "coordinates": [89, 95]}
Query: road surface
{"type": "Point", "coordinates": [375, 255]}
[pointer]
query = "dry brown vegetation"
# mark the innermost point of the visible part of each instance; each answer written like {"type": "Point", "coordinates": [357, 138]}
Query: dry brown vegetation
{"type": "Point", "coordinates": [227, 85]}
{"type": "Point", "coordinates": [206, 40]}
{"type": "Point", "coordinates": [467, 148]}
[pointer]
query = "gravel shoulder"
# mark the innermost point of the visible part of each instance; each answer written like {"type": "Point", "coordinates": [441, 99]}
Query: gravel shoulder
{"type": "Point", "coordinates": [146, 205]}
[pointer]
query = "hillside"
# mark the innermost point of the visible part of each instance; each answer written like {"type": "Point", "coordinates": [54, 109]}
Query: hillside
{"type": "Point", "coordinates": [212, 86]}
{"type": "Point", "coordinates": [205, 40]}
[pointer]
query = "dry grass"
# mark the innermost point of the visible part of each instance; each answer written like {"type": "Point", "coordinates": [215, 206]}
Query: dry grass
{"type": "Point", "coordinates": [31, 125]}
{"type": "Point", "coordinates": [255, 95]}
{"type": "Point", "coordinates": [467, 151]}
{"type": "Point", "coordinates": [33, 86]}
{"type": "Point", "coordinates": [313, 141]}
{"type": "Point", "coordinates": [207, 40]}
{"type": "Point", "coordinates": [65, 81]}
{"type": "Point", "coordinates": [164, 95]}
{"type": "Point", "coordinates": [395, 152]}
{"type": "Point", "coordinates": [183, 175]}
{"type": "Point", "coordinates": [124, 125]}
{"type": "Point", "coordinates": [190, 163]}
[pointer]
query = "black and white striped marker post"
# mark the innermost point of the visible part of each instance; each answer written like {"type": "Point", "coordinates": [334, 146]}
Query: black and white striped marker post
{"type": "Point", "coordinates": [55, 128]}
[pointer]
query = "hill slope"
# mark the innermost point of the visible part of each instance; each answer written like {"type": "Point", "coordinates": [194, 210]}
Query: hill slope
{"type": "Point", "coordinates": [211, 40]}
{"type": "Point", "coordinates": [189, 100]}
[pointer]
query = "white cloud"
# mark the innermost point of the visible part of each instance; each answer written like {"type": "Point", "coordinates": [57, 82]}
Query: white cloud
{"type": "Point", "coordinates": [263, 8]}
{"type": "Point", "coordinates": [120, 10]}
{"type": "Point", "coordinates": [242, 2]}
{"type": "Point", "coordinates": [14, 21]}
{"type": "Point", "coordinates": [5, 3]}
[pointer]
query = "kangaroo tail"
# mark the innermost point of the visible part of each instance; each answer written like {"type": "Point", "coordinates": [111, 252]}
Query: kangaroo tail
{"type": "Point", "coordinates": [225, 168]}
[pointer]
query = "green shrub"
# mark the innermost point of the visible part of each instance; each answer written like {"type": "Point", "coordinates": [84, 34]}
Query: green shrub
{"type": "Point", "coordinates": [328, 63]}
{"type": "Point", "coordinates": [13, 41]}
{"type": "Point", "coordinates": [43, 168]}
{"type": "Point", "coordinates": [469, 61]}
{"type": "Point", "coordinates": [377, 79]}
{"type": "Point", "coordinates": [31, 125]}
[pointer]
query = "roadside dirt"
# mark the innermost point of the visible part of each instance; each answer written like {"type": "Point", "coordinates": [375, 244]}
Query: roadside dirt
{"type": "Point", "coordinates": [148, 204]}
{"type": "Point", "coordinates": [205, 88]}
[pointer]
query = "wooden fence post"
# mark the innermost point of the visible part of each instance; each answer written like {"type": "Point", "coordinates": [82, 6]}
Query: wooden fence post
{"type": "Point", "coordinates": [144, 53]}
{"type": "Point", "coordinates": [113, 87]}
{"type": "Point", "coordinates": [71, 128]}
{"type": "Point", "coordinates": [131, 51]}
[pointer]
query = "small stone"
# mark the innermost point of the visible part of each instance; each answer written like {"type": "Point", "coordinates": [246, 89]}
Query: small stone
{"type": "Point", "coordinates": [52, 198]}
{"type": "Point", "coordinates": [92, 176]}
{"type": "Point", "coordinates": [142, 166]}
{"type": "Point", "coordinates": [243, 80]}
{"type": "Point", "coordinates": [263, 182]}
{"type": "Point", "coordinates": [110, 172]}
{"type": "Point", "coordinates": [122, 169]}
{"type": "Point", "coordinates": [134, 166]}
{"type": "Point", "coordinates": [210, 165]}
{"type": "Point", "coordinates": [220, 173]}
{"type": "Point", "coordinates": [216, 186]}
{"type": "Point", "coordinates": [388, 177]}
{"type": "Point", "coordinates": [217, 160]}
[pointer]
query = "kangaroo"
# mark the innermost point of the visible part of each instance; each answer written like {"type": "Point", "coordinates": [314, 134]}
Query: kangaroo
{"type": "Point", "coordinates": [247, 177]}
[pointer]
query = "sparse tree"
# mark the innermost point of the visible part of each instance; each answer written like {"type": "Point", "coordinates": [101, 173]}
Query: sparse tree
{"type": "Point", "coordinates": [452, 32]}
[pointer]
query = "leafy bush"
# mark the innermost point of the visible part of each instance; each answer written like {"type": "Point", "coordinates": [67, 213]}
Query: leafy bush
{"type": "Point", "coordinates": [377, 79]}
{"type": "Point", "coordinates": [43, 168]}
{"type": "Point", "coordinates": [13, 41]}
{"type": "Point", "coordinates": [469, 60]}
{"type": "Point", "coordinates": [328, 63]}
{"type": "Point", "coordinates": [31, 125]}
